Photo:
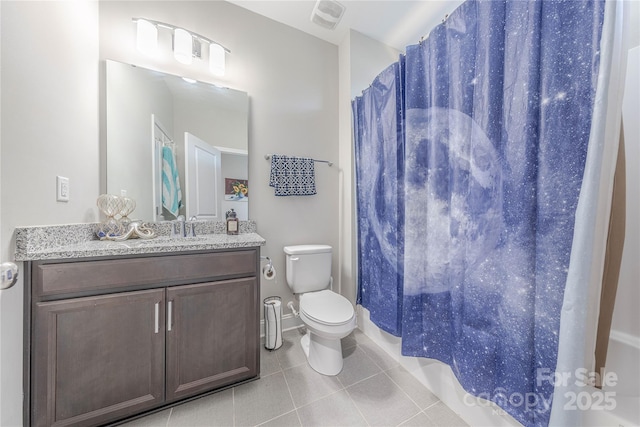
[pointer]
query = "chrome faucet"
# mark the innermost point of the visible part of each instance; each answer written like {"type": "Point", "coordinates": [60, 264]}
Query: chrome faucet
{"type": "Point", "coordinates": [190, 230]}
{"type": "Point", "coordinates": [182, 228]}
{"type": "Point", "coordinates": [178, 228]}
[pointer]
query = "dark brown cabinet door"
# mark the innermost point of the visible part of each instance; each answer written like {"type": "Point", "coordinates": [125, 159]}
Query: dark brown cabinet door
{"type": "Point", "coordinates": [212, 335]}
{"type": "Point", "coordinates": [97, 359]}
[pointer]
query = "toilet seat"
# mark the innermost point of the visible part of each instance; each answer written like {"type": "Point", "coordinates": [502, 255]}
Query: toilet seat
{"type": "Point", "coordinates": [326, 307]}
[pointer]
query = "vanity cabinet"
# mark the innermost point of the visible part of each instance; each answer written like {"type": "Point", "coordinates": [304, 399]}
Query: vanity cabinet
{"type": "Point", "coordinates": [207, 351]}
{"type": "Point", "coordinates": [113, 337]}
{"type": "Point", "coordinates": [96, 358]}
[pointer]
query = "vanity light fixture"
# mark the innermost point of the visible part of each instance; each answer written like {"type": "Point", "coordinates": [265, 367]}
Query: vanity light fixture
{"type": "Point", "coordinates": [216, 59]}
{"type": "Point", "coordinates": [186, 44]}
{"type": "Point", "coordinates": [182, 46]}
{"type": "Point", "coordinates": [146, 37]}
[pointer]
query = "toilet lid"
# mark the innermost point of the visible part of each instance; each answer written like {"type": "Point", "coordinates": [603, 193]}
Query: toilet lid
{"type": "Point", "coordinates": [326, 307]}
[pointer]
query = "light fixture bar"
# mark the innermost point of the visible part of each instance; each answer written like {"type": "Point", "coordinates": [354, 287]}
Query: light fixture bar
{"type": "Point", "coordinates": [173, 28]}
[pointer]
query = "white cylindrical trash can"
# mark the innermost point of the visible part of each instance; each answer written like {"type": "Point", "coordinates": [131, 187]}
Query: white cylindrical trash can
{"type": "Point", "coordinates": [272, 323]}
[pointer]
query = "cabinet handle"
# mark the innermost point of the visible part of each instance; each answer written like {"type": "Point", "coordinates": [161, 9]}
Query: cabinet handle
{"type": "Point", "coordinates": [169, 315]}
{"type": "Point", "coordinates": [157, 319]}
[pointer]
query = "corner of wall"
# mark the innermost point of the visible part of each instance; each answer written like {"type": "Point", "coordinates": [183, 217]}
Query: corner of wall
{"type": "Point", "coordinates": [346, 283]}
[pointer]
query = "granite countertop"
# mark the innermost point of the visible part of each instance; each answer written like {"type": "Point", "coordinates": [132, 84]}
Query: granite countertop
{"type": "Point", "coordinates": [79, 241]}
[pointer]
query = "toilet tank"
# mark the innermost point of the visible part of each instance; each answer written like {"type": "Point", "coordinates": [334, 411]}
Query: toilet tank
{"type": "Point", "coordinates": [308, 267]}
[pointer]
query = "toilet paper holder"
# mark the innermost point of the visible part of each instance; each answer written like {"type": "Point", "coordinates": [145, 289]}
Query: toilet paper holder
{"type": "Point", "coordinates": [270, 265]}
{"type": "Point", "coordinates": [268, 271]}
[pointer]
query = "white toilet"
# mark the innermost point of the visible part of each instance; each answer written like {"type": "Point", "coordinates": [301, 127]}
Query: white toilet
{"type": "Point", "coordinates": [327, 315]}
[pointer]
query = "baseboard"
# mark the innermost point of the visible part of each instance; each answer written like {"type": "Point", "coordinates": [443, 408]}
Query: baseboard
{"type": "Point", "coordinates": [289, 321]}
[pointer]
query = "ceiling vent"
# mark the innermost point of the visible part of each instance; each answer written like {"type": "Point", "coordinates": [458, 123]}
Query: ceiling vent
{"type": "Point", "coordinates": [327, 13]}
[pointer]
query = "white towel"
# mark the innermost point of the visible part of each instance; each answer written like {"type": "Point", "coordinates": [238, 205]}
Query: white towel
{"type": "Point", "coordinates": [171, 192]}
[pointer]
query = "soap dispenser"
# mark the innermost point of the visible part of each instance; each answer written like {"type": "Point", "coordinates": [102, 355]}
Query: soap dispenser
{"type": "Point", "coordinates": [232, 222]}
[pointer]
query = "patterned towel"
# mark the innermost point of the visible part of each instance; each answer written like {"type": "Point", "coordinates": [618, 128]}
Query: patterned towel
{"type": "Point", "coordinates": [171, 192]}
{"type": "Point", "coordinates": [292, 176]}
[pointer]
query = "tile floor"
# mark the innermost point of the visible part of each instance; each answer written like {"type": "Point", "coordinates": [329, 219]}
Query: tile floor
{"type": "Point", "coordinates": [372, 390]}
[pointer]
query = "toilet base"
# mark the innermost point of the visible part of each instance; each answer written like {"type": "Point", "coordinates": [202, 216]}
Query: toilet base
{"type": "Point", "coordinates": [324, 354]}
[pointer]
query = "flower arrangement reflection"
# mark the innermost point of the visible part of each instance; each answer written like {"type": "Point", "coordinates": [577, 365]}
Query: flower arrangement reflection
{"type": "Point", "coordinates": [236, 189]}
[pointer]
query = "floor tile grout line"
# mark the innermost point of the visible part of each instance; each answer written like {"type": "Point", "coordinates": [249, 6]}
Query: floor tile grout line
{"type": "Point", "coordinates": [424, 410]}
{"type": "Point", "coordinates": [397, 385]}
{"type": "Point", "coordinates": [435, 421]}
{"type": "Point", "coordinates": [169, 417]}
{"type": "Point", "coordinates": [282, 368]}
{"type": "Point", "coordinates": [298, 415]}
{"type": "Point", "coordinates": [233, 406]}
{"type": "Point", "coordinates": [359, 381]}
{"type": "Point", "coordinates": [272, 373]}
{"type": "Point", "coordinates": [357, 407]}
{"type": "Point", "coordinates": [385, 353]}
{"type": "Point", "coordinates": [413, 416]}
{"type": "Point", "coordinates": [384, 371]}
{"type": "Point", "coordinates": [293, 402]}
{"type": "Point", "coordinates": [278, 416]}
{"type": "Point", "coordinates": [363, 379]}
{"type": "Point", "coordinates": [410, 417]}
{"type": "Point", "coordinates": [407, 394]}
{"type": "Point", "coordinates": [318, 398]}
{"type": "Point", "coordinates": [382, 368]}
{"type": "Point", "coordinates": [434, 404]}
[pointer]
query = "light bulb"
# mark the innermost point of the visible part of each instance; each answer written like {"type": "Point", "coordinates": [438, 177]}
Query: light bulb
{"type": "Point", "coordinates": [147, 37]}
{"type": "Point", "coordinates": [182, 45]}
{"type": "Point", "coordinates": [216, 59]}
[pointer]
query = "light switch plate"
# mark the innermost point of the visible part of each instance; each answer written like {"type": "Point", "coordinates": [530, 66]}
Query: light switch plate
{"type": "Point", "coordinates": [62, 189]}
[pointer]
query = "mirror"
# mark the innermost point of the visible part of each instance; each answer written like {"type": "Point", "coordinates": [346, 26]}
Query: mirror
{"type": "Point", "coordinates": [150, 115]}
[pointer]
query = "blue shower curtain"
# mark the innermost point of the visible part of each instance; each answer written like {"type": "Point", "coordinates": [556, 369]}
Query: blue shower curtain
{"type": "Point", "coordinates": [468, 179]}
{"type": "Point", "coordinates": [380, 198]}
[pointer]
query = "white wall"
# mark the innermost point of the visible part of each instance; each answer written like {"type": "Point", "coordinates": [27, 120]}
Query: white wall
{"type": "Point", "coordinates": [361, 60]}
{"type": "Point", "coordinates": [626, 316]}
{"type": "Point", "coordinates": [49, 127]}
{"type": "Point", "coordinates": [369, 58]}
{"type": "Point", "coordinates": [624, 341]}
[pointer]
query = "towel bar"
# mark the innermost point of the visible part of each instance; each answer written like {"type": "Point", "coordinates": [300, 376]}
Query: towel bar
{"type": "Point", "coordinates": [268, 156]}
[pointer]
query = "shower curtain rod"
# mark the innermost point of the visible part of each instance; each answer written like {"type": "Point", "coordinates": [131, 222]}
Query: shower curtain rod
{"type": "Point", "coordinates": [268, 156]}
